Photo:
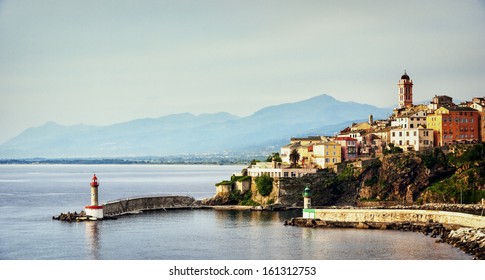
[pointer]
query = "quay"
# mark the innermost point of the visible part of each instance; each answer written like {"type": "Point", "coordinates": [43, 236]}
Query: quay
{"type": "Point", "coordinates": [387, 216]}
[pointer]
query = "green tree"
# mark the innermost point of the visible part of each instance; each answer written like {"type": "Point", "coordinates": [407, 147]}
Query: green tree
{"type": "Point", "coordinates": [294, 157]}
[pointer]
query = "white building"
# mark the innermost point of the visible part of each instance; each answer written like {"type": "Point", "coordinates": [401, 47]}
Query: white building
{"type": "Point", "coordinates": [412, 138]}
{"type": "Point", "coordinates": [285, 151]}
{"type": "Point", "coordinates": [411, 120]}
{"type": "Point", "coordinates": [268, 168]}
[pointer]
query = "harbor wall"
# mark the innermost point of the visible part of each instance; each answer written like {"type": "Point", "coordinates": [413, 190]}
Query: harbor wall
{"type": "Point", "coordinates": [137, 204]}
{"type": "Point", "coordinates": [395, 216]}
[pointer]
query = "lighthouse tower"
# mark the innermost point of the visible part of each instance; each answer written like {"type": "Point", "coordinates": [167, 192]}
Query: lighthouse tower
{"type": "Point", "coordinates": [308, 212]}
{"type": "Point", "coordinates": [307, 200]}
{"type": "Point", "coordinates": [94, 210]}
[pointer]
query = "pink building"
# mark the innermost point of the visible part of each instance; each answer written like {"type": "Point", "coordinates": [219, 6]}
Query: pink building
{"type": "Point", "coordinates": [350, 147]}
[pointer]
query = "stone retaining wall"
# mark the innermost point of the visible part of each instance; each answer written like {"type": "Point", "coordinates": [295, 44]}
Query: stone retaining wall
{"type": "Point", "coordinates": [137, 204]}
{"type": "Point", "coordinates": [398, 216]}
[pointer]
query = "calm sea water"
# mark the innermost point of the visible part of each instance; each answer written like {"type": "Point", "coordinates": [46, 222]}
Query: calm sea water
{"type": "Point", "coordinates": [31, 194]}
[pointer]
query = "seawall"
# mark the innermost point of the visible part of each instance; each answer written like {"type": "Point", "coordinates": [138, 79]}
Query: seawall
{"type": "Point", "coordinates": [147, 203]}
{"type": "Point", "coordinates": [451, 219]}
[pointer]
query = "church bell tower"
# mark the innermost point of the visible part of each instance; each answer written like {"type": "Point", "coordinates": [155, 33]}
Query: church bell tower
{"type": "Point", "coordinates": [405, 87]}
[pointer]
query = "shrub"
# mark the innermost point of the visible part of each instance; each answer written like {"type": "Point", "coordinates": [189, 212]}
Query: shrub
{"type": "Point", "coordinates": [347, 174]}
{"type": "Point", "coordinates": [264, 184]}
{"type": "Point", "coordinates": [225, 182]}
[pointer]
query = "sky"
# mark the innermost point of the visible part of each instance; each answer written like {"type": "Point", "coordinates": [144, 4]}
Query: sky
{"type": "Point", "coordinates": [106, 62]}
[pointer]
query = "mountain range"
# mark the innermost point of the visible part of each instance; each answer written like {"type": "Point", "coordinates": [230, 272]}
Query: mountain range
{"type": "Point", "coordinates": [182, 134]}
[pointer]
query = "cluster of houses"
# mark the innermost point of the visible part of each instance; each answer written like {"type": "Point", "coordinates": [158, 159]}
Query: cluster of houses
{"type": "Point", "coordinates": [410, 127]}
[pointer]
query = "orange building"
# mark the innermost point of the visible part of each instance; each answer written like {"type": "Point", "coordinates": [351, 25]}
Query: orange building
{"type": "Point", "coordinates": [454, 125]}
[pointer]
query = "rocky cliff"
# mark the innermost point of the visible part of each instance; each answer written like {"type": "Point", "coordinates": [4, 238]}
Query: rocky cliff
{"type": "Point", "coordinates": [435, 176]}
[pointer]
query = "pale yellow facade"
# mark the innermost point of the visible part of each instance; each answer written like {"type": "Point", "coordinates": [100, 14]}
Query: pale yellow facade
{"type": "Point", "coordinates": [327, 155]}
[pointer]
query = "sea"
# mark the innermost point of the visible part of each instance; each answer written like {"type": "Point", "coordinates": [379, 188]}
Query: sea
{"type": "Point", "coordinates": [30, 195]}
{"type": "Point", "coordinates": [150, 244]}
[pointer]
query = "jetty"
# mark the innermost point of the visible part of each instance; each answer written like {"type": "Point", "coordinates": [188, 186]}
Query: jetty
{"type": "Point", "coordinates": [136, 205]}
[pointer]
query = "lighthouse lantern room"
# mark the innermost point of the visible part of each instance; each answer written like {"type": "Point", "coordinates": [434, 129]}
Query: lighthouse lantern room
{"type": "Point", "coordinates": [94, 211]}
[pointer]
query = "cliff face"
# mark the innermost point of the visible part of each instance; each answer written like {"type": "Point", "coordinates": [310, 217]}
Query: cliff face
{"type": "Point", "coordinates": [326, 189]}
{"type": "Point", "coordinates": [425, 177]}
{"type": "Point", "coordinates": [395, 178]}
{"type": "Point", "coordinates": [466, 183]}
{"type": "Point", "coordinates": [403, 177]}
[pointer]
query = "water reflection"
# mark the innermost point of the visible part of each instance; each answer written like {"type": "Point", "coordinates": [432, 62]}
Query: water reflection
{"type": "Point", "coordinates": [92, 239]}
{"type": "Point", "coordinates": [247, 218]}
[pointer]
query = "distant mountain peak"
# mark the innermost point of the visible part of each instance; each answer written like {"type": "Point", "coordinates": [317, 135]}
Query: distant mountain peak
{"type": "Point", "coordinates": [186, 133]}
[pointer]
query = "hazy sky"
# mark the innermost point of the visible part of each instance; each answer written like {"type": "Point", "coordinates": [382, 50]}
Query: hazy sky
{"type": "Point", "coordinates": [104, 62]}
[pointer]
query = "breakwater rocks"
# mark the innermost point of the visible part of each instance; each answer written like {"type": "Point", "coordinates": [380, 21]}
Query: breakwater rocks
{"type": "Point", "coordinates": [470, 240]}
{"type": "Point", "coordinates": [69, 217]}
{"type": "Point", "coordinates": [78, 217]}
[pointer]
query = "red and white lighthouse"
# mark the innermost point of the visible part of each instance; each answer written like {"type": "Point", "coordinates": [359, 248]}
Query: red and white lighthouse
{"type": "Point", "coordinates": [94, 210]}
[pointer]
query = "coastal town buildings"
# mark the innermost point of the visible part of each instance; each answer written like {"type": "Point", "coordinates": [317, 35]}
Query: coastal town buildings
{"type": "Point", "coordinates": [314, 151]}
{"type": "Point", "coordinates": [372, 145]}
{"type": "Point", "coordinates": [284, 171]}
{"type": "Point", "coordinates": [439, 101]}
{"type": "Point", "coordinates": [454, 125]}
{"type": "Point", "coordinates": [411, 119]}
{"type": "Point", "coordinates": [479, 105]}
{"type": "Point", "coordinates": [327, 155]}
{"type": "Point", "coordinates": [412, 139]}
{"type": "Point", "coordinates": [412, 127]}
{"type": "Point", "coordinates": [349, 147]}
{"type": "Point", "coordinates": [285, 151]}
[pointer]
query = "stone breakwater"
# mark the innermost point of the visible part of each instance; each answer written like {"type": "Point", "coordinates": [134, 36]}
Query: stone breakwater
{"type": "Point", "coordinates": [148, 203]}
{"type": "Point", "coordinates": [470, 240]}
{"type": "Point", "coordinates": [449, 227]}
{"type": "Point", "coordinates": [474, 209]}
